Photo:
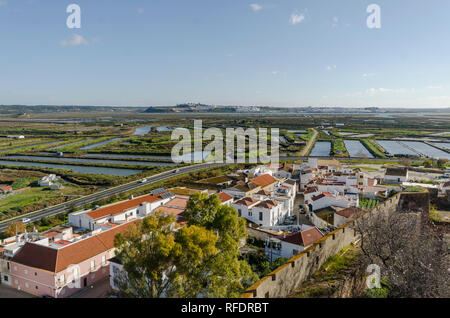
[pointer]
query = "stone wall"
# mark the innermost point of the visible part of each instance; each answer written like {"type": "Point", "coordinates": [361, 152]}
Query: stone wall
{"type": "Point", "coordinates": [283, 281]}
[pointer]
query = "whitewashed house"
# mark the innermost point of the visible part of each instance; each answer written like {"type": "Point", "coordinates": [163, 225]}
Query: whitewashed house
{"type": "Point", "coordinates": [289, 245]}
{"type": "Point", "coordinates": [396, 175]}
{"type": "Point", "coordinates": [343, 216]}
{"type": "Point", "coordinates": [117, 213]}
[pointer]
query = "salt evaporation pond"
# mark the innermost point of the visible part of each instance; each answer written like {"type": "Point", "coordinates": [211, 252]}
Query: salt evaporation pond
{"type": "Point", "coordinates": [356, 149]}
{"type": "Point", "coordinates": [321, 149]}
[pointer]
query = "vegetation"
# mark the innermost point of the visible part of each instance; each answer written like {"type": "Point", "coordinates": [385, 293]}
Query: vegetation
{"type": "Point", "coordinates": [201, 258]}
{"type": "Point", "coordinates": [368, 204]}
{"type": "Point", "coordinates": [373, 147]}
{"type": "Point", "coordinates": [338, 148]}
{"type": "Point", "coordinates": [261, 266]}
{"type": "Point", "coordinates": [434, 214]}
{"type": "Point", "coordinates": [329, 279]}
{"type": "Point", "coordinates": [391, 241]}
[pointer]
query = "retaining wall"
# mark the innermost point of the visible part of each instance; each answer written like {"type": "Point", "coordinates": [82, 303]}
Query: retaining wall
{"type": "Point", "coordinates": [283, 281]}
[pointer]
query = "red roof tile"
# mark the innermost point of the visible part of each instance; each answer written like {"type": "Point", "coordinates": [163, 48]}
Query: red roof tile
{"type": "Point", "coordinates": [246, 201]}
{"type": "Point", "coordinates": [56, 260]}
{"type": "Point", "coordinates": [303, 238]}
{"type": "Point", "coordinates": [350, 212]}
{"type": "Point", "coordinates": [224, 197]}
{"type": "Point", "coordinates": [122, 206]}
{"type": "Point", "coordinates": [264, 180]}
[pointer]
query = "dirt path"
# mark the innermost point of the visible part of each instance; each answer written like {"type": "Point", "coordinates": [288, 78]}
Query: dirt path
{"type": "Point", "coordinates": [310, 143]}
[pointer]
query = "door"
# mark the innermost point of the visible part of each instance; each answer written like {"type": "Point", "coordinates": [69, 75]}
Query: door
{"type": "Point", "coordinates": [85, 282]}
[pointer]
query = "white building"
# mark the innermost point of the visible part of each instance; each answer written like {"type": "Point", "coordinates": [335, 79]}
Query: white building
{"type": "Point", "coordinates": [47, 180]}
{"type": "Point", "coordinates": [396, 175]}
{"type": "Point", "coordinates": [326, 199]}
{"type": "Point", "coordinates": [117, 213]}
{"type": "Point", "coordinates": [264, 213]}
{"type": "Point", "coordinates": [345, 215]}
{"type": "Point", "coordinates": [289, 245]}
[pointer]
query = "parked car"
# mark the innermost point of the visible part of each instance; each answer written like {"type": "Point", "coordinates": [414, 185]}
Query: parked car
{"type": "Point", "coordinates": [26, 221]}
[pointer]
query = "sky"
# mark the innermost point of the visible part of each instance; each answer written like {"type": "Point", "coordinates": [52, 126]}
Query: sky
{"type": "Point", "coordinates": [225, 52]}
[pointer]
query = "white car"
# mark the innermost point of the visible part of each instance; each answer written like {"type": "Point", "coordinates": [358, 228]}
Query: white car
{"type": "Point", "coordinates": [143, 180]}
{"type": "Point", "coordinates": [26, 221]}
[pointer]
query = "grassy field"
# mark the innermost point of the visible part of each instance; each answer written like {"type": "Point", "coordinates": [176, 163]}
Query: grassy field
{"type": "Point", "coordinates": [34, 198]}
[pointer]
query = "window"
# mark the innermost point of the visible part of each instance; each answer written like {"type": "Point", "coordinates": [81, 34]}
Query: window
{"type": "Point", "coordinates": [35, 274]}
{"type": "Point", "coordinates": [25, 271]}
{"type": "Point", "coordinates": [7, 265]}
{"type": "Point", "coordinates": [15, 268]}
{"type": "Point", "coordinates": [104, 260]}
{"type": "Point", "coordinates": [260, 216]}
{"type": "Point", "coordinates": [62, 279]}
{"type": "Point", "coordinates": [5, 278]}
{"type": "Point", "coordinates": [250, 213]}
{"type": "Point", "coordinates": [16, 282]}
{"type": "Point", "coordinates": [92, 265]}
{"type": "Point", "coordinates": [37, 287]}
{"type": "Point", "coordinates": [240, 212]}
{"type": "Point", "coordinates": [26, 285]}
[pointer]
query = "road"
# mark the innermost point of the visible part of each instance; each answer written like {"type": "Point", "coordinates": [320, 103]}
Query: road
{"type": "Point", "coordinates": [310, 143]}
{"type": "Point", "coordinates": [58, 209]}
{"type": "Point", "coordinates": [61, 208]}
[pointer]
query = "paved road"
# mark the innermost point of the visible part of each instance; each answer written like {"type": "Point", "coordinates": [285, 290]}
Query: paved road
{"type": "Point", "coordinates": [58, 209]}
{"type": "Point", "coordinates": [9, 292]}
{"type": "Point", "coordinates": [100, 289]}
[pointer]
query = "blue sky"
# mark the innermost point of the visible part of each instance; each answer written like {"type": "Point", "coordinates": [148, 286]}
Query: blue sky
{"type": "Point", "coordinates": [226, 52]}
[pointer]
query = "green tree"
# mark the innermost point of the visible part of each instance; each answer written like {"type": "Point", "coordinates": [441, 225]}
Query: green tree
{"type": "Point", "coordinates": [228, 275]}
{"type": "Point", "coordinates": [201, 209]}
{"type": "Point", "coordinates": [161, 262]}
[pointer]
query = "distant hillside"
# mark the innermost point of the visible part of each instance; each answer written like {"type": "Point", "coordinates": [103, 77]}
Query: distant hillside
{"type": "Point", "coordinates": [21, 109]}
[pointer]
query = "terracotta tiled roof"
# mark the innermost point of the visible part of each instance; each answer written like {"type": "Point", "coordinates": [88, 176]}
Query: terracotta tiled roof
{"type": "Point", "coordinates": [263, 192]}
{"type": "Point", "coordinates": [246, 201]}
{"type": "Point", "coordinates": [310, 190]}
{"type": "Point", "coordinates": [350, 212]}
{"type": "Point", "coordinates": [264, 180]}
{"type": "Point", "coordinates": [303, 238]}
{"type": "Point", "coordinates": [318, 197]}
{"type": "Point", "coordinates": [268, 204]}
{"type": "Point", "coordinates": [169, 210]}
{"type": "Point", "coordinates": [6, 188]}
{"type": "Point", "coordinates": [290, 181]}
{"type": "Point", "coordinates": [122, 206]}
{"type": "Point", "coordinates": [178, 202]}
{"type": "Point", "coordinates": [224, 197]}
{"type": "Point", "coordinates": [56, 260]}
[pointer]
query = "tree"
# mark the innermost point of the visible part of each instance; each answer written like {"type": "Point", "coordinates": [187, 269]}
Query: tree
{"type": "Point", "coordinates": [228, 274]}
{"type": "Point", "coordinates": [405, 162]}
{"type": "Point", "coordinates": [160, 262]}
{"type": "Point", "coordinates": [412, 257]}
{"type": "Point", "coordinates": [442, 162]}
{"type": "Point", "coordinates": [15, 228]}
{"type": "Point", "coordinates": [200, 259]}
{"type": "Point", "coordinates": [201, 209]}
